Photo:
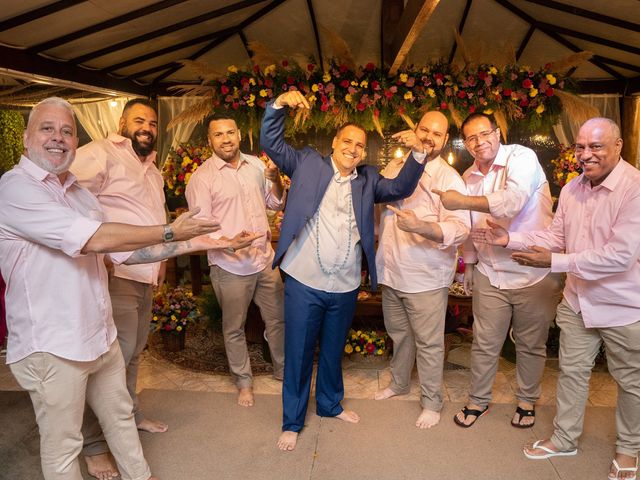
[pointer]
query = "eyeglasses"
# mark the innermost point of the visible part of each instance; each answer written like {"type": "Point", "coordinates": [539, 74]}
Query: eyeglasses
{"type": "Point", "coordinates": [481, 137]}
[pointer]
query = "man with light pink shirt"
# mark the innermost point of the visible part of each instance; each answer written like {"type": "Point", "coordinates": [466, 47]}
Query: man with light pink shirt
{"type": "Point", "coordinates": [507, 185]}
{"type": "Point", "coordinates": [62, 345]}
{"type": "Point", "coordinates": [595, 239]}
{"type": "Point", "coordinates": [416, 261]}
{"type": "Point", "coordinates": [234, 189]}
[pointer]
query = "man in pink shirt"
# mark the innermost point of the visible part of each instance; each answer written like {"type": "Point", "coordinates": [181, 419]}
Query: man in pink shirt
{"type": "Point", "coordinates": [120, 171]}
{"type": "Point", "coordinates": [507, 185]}
{"type": "Point", "coordinates": [595, 239]}
{"type": "Point", "coordinates": [415, 262]}
{"type": "Point", "coordinates": [234, 189]}
{"type": "Point", "coordinates": [62, 344]}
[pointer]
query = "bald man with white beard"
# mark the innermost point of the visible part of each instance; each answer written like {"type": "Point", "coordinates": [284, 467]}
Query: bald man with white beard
{"type": "Point", "coordinates": [416, 255]}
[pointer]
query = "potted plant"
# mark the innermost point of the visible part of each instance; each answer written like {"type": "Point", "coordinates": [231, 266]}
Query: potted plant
{"type": "Point", "coordinates": [174, 309]}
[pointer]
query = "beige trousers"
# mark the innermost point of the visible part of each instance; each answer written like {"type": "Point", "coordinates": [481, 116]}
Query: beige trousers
{"type": "Point", "coordinates": [579, 347]}
{"type": "Point", "coordinates": [530, 311]}
{"type": "Point", "coordinates": [415, 323]}
{"type": "Point", "coordinates": [59, 389]}
{"type": "Point", "coordinates": [234, 293]}
{"type": "Point", "coordinates": [131, 302]}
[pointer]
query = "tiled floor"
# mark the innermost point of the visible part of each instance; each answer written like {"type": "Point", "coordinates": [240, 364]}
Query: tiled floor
{"type": "Point", "coordinates": [361, 380]}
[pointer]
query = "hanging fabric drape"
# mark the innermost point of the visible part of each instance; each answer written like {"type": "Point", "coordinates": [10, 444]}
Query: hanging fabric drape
{"type": "Point", "coordinates": [169, 107]}
{"type": "Point", "coordinates": [101, 118]}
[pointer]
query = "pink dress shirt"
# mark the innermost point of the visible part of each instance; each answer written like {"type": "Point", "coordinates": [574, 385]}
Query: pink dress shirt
{"type": "Point", "coordinates": [520, 201]}
{"type": "Point", "coordinates": [599, 229]}
{"type": "Point", "coordinates": [130, 191]}
{"type": "Point", "coordinates": [408, 262]}
{"type": "Point", "coordinates": [57, 298]}
{"type": "Point", "coordinates": [237, 198]}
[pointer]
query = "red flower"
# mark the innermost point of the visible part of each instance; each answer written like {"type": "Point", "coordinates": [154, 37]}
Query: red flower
{"type": "Point", "coordinates": [369, 67]}
{"type": "Point", "coordinates": [461, 94]}
{"type": "Point", "coordinates": [361, 106]}
{"type": "Point", "coordinates": [268, 82]}
{"type": "Point", "coordinates": [336, 110]}
{"type": "Point", "coordinates": [376, 113]}
{"type": "Point", "coordinates": [506, 92]}
{"type": "Point", "coordinates": [370, 347]}
{"type": "Point", "coordinates": [235, 105]}
{"type": "Point", "coordinates": [527, 83]}
{"type": "Point", "coordinates": [291, 80]}
{"type": "Point", "coordinates": [524, 102]}
{"type": "Point", "coordinates": [388, 94]}
{"type": "Point", "coordinates": [256, 68]}
{"type": "Point", "coordinates": [181, 177]}
{"type": "Point", "coordinates": [375, 85]}
{"type": "Point", "coordinates": [285, 64]}
{"type": "Point", "coordinates": [224, 89]}
{"type": "Point", "coordinates": [482, 74]}
{"type": "Point", "coordinates": [343, 68]}
{"type": "Point", "coordinates": [549, 92]}
{"type": "Point", "coordinates": [443, 106]}
{"type": "Point", "coordinates": [324, 107]}
{"type": "Point", "coordinates": [311, 67]}
{"type": "Point", "coordinates": [344, 83]}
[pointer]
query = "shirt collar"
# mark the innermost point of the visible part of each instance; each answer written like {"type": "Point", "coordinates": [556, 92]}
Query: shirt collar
{"type": "Point", "coordinates": [612, 180]}
{"type": "Point", "coordinates": [338, 178]}
{"type": "Point", "coordinates": [40, 174]}
{"type": "Point", "coordinates": [499, 161]}
{"type": "Point", "coordinates": [220, 164]}
{"type": "Point", "coordinates": [119, 139]}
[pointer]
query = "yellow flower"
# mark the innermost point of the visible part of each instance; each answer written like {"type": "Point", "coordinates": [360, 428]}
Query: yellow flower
{"type": "Point", "coordinates": [232, 69]}
{"type": "Point", "coordinates": [348, 348]}
{"type": "Point", "coordinates": [179, 328]}
{"type": "Point", "coordinates": [263, 93]}
{"type": "Point", "coordinates": [354, 83]}
{"type": "Point", "coordinates": [173, 317]}
{"type": "Point", "coordinates": [431, 92]}
{"type": "Point", "coordinates": [348, 98]}
{"type": "Point", "coordinates": [364, 84]}
{"type": "Point", "coordinates": [314, 87]}
{"type": "Point", "coordinates": [312, 98]}
{"type": "Point", "coordinates": [551, 79]}
{"type": "Point", "coordinates": [488, 111]}
{"type": "Point", "coordinates": [358, 349]}
{"type": "Point", "coordinates": [408, 96]}
{"type": "Point", "coordinates": [252, 81]}
{"type": "Point", "coordinates": [187, 177]}
{"type": "Point", "coordinates": [326, 77]}
{"type": "Point", "coordinates": [155, 318]}
{"type": "Point", "coordinates": [270, 70]}
{"type": "Point", "coordinates": [533, 92]}
{"type": "Point", "coordinates": [540, 109]}
{"type": "Point", "coordinates": [404, 77]}
{"type": "Point", "coordinates": [186, 162]}
{"type": "Point", "coordinates": [571, 176]}
{"type": "Point", "coordinates": [493, 70]}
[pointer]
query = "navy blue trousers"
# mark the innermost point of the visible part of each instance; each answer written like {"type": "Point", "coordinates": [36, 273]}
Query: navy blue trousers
{"type": "Point", "coordinates": [309, 315]}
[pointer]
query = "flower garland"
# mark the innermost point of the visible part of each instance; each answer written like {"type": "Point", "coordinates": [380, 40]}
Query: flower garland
{"type": "Point", "coordinates": [180, 165]}
{"type": "Point", "coordinates": [565, 166]}
{"type": "Point", "coordinates": [370, 96]}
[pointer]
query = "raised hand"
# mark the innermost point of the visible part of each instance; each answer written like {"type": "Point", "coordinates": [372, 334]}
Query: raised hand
{"type": "Point", "coordinates": [452, 199]}
{"type": "Point", "coordinates": [293, 99]}
{"type": "Point", "coordinates": [271, 172]}
{"type": "Point", "coordinates": [494, 235]}
{"type": "Point", "coordinates": [405, 219]}
{"type": "Point", "coordinates": [539, 257]}
{"type": "Point", "coordinates": [410, 140]}
{"type": "Point", "coordinates": [186, 226]}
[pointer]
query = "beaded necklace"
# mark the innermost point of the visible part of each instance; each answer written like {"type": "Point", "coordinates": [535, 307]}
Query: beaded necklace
{"type": "Point", "coordinates": [335, 269]}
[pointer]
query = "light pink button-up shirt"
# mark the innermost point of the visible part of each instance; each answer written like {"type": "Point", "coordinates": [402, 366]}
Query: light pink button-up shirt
{"type": "Point", "coordinates": [236, 198]}
{"type": "Point", "coordinates": [407, 261]}
{"type": "Point", "coordinates": [57, 298]}
{"type": "Point", "coordinates": [520, 201]}
{"type": "Point", "coordinates": [599, 229]}
{"type": "Point", "coordinates": [130, 191]}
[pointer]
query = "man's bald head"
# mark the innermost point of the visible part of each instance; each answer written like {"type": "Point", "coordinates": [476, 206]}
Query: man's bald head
{"type": "Point", "coordinates": [598, 147]}
{"type": "Point", "coordinates": [432, 132]}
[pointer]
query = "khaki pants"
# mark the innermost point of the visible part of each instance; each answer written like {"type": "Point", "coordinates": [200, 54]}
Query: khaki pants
{"type": "Point", "coordinates": [530, 311]}
{"type": "Point", "coordinates": [579, 347]}
{"type": "Point", "coordinates": [415, 323]}
{"type": "Point", "coordinates": [59, 389]}
{"type": "Point", "coordinates": [131, 302]}
{"type": "Point", "coordinates": [234, 293]}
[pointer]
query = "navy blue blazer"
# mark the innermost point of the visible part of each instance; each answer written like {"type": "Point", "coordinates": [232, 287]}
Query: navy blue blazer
{"type": "Point", "coordinates": [310, 175]}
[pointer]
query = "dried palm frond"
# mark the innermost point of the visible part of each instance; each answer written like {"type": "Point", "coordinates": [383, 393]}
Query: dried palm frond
{"type": "Point", "coordinates": [192, 90]}
{"type": "Point", "coordinates": [455, 116]}
{"type": "Point", "coordinates": [503, 125]}
{"type": "Point", "coordinates": [408, 121]}
{"type": "Point", "coordinates": [193, 114]}
{"type": "Point", "coordinates": [261, 54]}
{"type": "Point", "coordinates": [577, 109]}
{"type": "Point", "coordinates": [567, 63]}
{"type": "Point", "coordinates": [501, 57]}
{"type": "Point", "coordinates": [204, 71]}
{"type": "Point", "coordinates": [301, 116]}
{"type": "Point", "coordinates": [340, 117]}
{"type": "Point", "coordinates": [338, 47]}
{"type": "Point", "coordinates": [376, 123]}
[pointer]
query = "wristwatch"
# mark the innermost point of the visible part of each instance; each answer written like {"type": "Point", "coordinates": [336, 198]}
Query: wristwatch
{"type": "Point", "coordinates": [167, 234]}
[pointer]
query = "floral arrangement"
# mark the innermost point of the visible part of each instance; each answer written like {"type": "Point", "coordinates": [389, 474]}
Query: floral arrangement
{"type": "Point", "coordinates": [565, 166]}
{"type": "Point", "coordinates": [366, 342]}
{"type": "Point", "coordinates": [372, 97]}
{"type": "Point", "coordinates": [173, 309]}
{"type": "Point", "coordinates": [180, 165]}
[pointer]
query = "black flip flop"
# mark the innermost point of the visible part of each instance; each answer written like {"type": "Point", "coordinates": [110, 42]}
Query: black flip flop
{"type": "Point", "coordinates": [521, 412]}
{"type": "Point", "coordinates": [469, 411]}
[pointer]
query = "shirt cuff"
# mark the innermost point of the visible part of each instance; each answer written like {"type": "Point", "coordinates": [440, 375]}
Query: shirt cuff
{"type": "Point", "coordinates": [516, 241]}
{"type": "Point", "coordinates": [448, 235]}
{"type": "Point", "coordinates": [560, 262]}
{"type": "Point", "coordinates": [77, 236]}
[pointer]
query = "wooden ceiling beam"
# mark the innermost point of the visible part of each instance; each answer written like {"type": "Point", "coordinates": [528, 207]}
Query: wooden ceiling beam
{"type": "Point", "coordinates": [581, 12]}
{"type": "Point", "coordinates": [189, 23]}
{"type": "Point", "coordinates": [38, 13]}
{"type": "Point", "coordinates": [98, 27]}
{"type": "Point", "coordinates": [525, 41]}
{"type": "Point", "coordinates": [591, 38]}
{"type": "Point", "coordinates": [21, 61]}
{"type": "Point", "coordinates": [463, 20]}
{"type": "Point", "coordinates": [414, 18]}
{"type": "Point", "coordinates": [316, 34]}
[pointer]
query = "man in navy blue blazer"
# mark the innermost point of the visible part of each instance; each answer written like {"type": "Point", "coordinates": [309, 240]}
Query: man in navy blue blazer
{"type": "Point", "coordinates": [328, 225]}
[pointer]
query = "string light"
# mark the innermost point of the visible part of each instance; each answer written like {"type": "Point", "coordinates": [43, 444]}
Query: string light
{"type": "Point", "coordinates": [450, 158]}
{"type": "Point", "coordinates": [398, 153]}
{"type": "Point", "coordinates": [113, 103]}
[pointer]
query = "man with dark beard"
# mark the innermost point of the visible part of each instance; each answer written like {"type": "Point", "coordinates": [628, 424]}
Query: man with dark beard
{"type": "Point", "coordinates": [120, 170]}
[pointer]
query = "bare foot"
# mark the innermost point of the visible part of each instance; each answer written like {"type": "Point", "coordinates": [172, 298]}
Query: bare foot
{"type": "Point", "coordinates": [287, 441]}
{"type": "Point", "coordinates": [471, 418]}
{"type": "Point", "coordinates": [245, 397]}
{"type": "Point", "coordinates": [624, 462]}
{"type": "Point", "coordinates": [349, 416]}
{"type": "Point", "coordinates": [428, 419]}
{"type": "Point", "coordinates": [152, 426]}
{"type": "Point", "coordinates": [384, 394]}
{"type": "Point", "coordinates": [101, 466]}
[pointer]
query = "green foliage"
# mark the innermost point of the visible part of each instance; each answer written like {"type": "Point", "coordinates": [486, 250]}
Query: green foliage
{"type": "Point", "coordinates": [11, 129]}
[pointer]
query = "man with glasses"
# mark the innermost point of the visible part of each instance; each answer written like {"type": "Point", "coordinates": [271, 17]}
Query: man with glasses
{"type": "Point", "coordinates": [594, 239]}
{"type": "Point", "coordinates": [507, 186]}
